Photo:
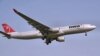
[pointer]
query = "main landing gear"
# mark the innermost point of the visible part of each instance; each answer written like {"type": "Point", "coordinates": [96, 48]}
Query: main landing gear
{"type": "Point", "coordinates": [48, 41]}
{"type": "Point", "coordinates": [43, 38]}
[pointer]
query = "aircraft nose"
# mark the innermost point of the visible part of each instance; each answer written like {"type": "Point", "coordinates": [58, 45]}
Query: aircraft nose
{"type": "Point", "coordinates": [90, 27]}
{"type": "Point", "coordinates": [93, 27]}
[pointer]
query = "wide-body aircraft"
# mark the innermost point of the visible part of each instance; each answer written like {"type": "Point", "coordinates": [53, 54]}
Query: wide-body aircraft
{"type": "Point", "coordinates": [44, 32]}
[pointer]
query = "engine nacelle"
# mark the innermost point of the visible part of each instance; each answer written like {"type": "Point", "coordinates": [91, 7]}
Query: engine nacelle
{"type": "Point", "coordinates": [61, 39]}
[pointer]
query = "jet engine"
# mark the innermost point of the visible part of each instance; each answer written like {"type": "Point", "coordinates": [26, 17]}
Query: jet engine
{"type": "Point", "coordinates": [60, 39]}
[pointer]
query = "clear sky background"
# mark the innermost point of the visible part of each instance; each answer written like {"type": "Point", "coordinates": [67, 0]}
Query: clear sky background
{"type": "Point", "coordinates": [53, 13]}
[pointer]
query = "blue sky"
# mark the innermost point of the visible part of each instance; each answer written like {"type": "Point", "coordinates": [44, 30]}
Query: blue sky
{"type": "Point", "coordinates": [53, 13]}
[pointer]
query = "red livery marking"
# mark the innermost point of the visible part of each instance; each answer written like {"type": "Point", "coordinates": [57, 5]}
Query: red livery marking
{"type": "Point", "coordinates": [7, 28]}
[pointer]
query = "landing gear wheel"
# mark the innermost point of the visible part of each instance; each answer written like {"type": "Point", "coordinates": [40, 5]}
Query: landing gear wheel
{"type": "Point", "coordinates": [43, 38]}
{"type": "Point", "coordinates": [86, 34]}
{"type": "Point", "coordinates": [48, 41]}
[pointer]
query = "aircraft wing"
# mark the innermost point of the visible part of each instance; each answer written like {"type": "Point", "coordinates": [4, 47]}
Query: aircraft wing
{"type": "Point", "coordinates": [42, 28]}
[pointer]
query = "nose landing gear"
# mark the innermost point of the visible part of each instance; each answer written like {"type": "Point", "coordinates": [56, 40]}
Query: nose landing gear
{"type": "Point", "coordinates": [85, 33]}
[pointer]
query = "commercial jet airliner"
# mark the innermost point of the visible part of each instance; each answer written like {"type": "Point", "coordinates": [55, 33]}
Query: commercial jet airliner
{"type": "Point", "coordinates": [44, 32]}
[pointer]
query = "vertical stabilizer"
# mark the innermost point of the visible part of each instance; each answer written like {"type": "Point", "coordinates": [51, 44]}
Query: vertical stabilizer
{"type": "Point", "coordinates": [7, 28]}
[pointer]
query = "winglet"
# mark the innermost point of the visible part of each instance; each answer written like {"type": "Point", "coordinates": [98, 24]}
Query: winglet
{"type": "Point", "coordinates": [15, 10]}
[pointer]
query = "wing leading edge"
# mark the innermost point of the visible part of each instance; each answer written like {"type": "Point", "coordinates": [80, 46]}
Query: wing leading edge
{"type": "Point", "coordinates": [39, 26]}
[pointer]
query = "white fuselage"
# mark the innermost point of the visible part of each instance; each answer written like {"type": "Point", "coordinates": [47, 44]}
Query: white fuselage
{"type": "Point", "coordinates": [61, 31]}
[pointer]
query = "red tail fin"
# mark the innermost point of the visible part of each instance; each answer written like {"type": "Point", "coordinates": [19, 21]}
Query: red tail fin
{"type": "Point", "coordinates": [7, 28]}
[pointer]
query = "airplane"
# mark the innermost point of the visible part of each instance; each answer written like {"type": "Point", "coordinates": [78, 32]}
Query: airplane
{"type": "Point", "coordinates": [44, 32]}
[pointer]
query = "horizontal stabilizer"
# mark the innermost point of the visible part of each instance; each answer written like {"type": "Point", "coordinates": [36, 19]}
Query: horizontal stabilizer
{"type": "Point", "coordinates": [5, 34]}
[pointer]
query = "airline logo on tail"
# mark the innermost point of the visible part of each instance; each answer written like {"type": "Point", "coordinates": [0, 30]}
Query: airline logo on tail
{"type": "Point", "coordinates": [7, 28]}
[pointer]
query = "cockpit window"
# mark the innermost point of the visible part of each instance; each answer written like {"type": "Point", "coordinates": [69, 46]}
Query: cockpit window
{"type": "Point", "coordinates": [74, 26]}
